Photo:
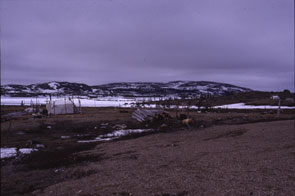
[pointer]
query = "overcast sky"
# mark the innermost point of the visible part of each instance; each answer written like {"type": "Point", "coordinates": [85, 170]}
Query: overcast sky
{"type": "Point", "coordinates": [249, 43]}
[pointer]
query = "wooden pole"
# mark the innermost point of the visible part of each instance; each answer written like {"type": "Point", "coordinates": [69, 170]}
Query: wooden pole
{"type": "Point", "coordinates": [279, 108]}
{"type": "Point", "coordinates": [80, 107]}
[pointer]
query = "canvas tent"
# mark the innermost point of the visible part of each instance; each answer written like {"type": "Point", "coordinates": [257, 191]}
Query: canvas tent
{"type": "Point", "coordinates": [61, 106]}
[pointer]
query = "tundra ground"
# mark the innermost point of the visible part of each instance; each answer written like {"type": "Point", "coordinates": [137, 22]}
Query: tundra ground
{"type": "Point", "coordinates": [236, 153]}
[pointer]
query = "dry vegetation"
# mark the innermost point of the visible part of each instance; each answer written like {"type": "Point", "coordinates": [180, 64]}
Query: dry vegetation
{"type": "Point", "coordinates": [249, 98]}
{"type": "Point", "coordinates": [225, 153]}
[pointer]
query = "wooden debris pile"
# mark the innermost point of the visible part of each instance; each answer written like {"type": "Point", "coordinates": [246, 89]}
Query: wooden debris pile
{"type": "Point", "coordinates": [149, 115]}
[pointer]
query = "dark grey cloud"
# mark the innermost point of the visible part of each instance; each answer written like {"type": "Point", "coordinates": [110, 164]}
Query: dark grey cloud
{"type": "Point", "coordinates": [248, 43]}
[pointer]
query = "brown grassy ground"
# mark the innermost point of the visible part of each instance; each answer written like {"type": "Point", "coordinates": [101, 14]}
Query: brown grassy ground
{"type": "Point", "coordinates": [231, 155]}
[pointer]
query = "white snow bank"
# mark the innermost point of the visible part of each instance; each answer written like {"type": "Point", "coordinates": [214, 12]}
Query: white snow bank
{"type": "Point", "coordinates": [243, 106]}
{"type": "Point", "coordinates": [11, 152]}
{"type": "Point", "coordinates": [85, 102]}
{"type": "Point", "coordinates": [121, 102]}
{"type": "Point", "coordinates": [116, 134]}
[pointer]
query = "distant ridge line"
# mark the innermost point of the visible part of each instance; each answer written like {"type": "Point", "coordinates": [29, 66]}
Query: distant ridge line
{"type": "Point", "coordinates": [172, 88]}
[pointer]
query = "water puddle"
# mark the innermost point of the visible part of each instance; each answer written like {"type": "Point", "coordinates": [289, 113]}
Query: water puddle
{"type": "Point", "coordinates": [116, 134]}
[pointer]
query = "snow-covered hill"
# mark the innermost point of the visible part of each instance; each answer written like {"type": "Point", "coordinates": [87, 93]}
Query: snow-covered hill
{"type": "Point", "coordinates": [173, 88]}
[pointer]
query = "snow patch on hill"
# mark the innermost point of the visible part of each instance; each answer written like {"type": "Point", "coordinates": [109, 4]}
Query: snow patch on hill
{"type": "Point", "coordinates": [53, 85]}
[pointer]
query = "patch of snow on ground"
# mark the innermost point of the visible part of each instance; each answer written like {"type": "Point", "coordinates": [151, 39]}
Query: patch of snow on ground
{"type": "Point", "coordinates": [116, 134]}
{"type": "Point", "coordinates": [11, 152]}
{"type": "Point", "coordinates": [8, 152]}
{"type": "Point", "coordinates": [243, 106]}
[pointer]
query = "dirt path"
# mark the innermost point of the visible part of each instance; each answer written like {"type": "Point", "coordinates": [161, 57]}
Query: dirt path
{"type": "Point", "coordinates": [249, 159]}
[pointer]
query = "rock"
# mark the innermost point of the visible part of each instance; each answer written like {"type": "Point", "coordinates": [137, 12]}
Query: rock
{"type": "Point", "coordinates": [163, 125]}
{"type": "Point", "coordinates": [64, 137]}
{"type": "Point", "coordinates": [40, 146]}
{"type": "Point", "coordinates": [29, 110]}
{"type": "Point", "coordinates": [32, 143]}
{"type": "Point", "coordinates": [21, 133]}
{"type": "Point", "coordinates": [117, 127]}
{"type": "Point", "coordinates": [182, 116]}
{"type": "Point", "coordinates": [104, 125]}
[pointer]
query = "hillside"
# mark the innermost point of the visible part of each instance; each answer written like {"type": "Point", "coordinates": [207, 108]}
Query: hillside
{"type": "Point", "coordinates": [136, 89]}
